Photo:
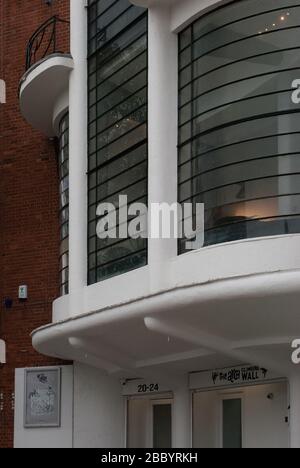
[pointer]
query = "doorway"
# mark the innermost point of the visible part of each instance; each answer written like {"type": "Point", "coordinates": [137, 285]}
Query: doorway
{"type": "Point", "coordinates": [161, 424]}
{"type": "Point", "coordinates": [231, 421]}
{"type": "Point", "coordinates": [149, 422]}
{"type": "Point", "coordinates": [249, 417]}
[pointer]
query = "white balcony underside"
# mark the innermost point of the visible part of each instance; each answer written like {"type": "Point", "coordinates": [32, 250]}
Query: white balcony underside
{"type": "Point", "coordinates": [246, 319]}
{"type": "Point", "coordinates": [44, 93]}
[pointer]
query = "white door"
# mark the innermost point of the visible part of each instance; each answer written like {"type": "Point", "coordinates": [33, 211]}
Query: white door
{"type": "Point", "coordinates": [149, 422]}
{"type": "Point", "coordinates": [231, 421]}
{"type": "Point", "coordinates": [161, 426]}
{"type": "Point", "coordinates": [253, 417]}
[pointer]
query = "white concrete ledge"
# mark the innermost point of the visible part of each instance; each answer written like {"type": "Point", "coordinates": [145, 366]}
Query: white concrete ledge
{"type": "Point", "coordinates": [269, 300]}
{"type": "Point", "coordinates": [209, 266]}
{"type": "Point", "coordinates": [149, 3]}
{"type": "Point", "coordinates": [43, 91]}
{"type": "Point", "coordinates": [182, 12]}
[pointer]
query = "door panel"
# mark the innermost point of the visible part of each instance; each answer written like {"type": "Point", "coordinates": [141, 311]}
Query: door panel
{"type": "Point", "coordinates": [162, 426]}
{"type": "Point", "coordinates": [263, 414]}
{"type": "Point", "coordinates": [232, 423]}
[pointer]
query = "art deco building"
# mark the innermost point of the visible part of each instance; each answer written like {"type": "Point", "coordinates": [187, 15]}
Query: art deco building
{"type": "Point", "coordinates": [162, 101]}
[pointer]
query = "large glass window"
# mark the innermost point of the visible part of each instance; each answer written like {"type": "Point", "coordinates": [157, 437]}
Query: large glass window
{"type": "Point", "coordinates": [64, 204]}
{"type": "Point", "coordinates": [118, 154]}
{"type": "Point", "coordinates": [239, 131]}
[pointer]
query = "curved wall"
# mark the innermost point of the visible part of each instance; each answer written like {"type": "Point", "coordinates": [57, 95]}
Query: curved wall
{"type": "Point", "coordinates": [166, 271]}
{"type": "Point", "coordinates": [238, 127]}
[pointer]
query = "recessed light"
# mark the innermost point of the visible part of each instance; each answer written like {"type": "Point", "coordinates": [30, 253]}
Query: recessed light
{"type": "Point", "coordinates": [282, 18]}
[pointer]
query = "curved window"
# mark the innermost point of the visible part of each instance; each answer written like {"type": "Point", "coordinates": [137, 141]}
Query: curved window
{"type": "Point", "coordinates": [64, 203]}
{"type": "Point", "coordinates": [239, 130]}
{"type": "Point", "coordinates": [118, 150]}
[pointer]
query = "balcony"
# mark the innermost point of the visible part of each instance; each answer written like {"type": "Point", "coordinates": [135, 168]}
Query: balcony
{"type": "Point", "coordinates": [46, 40]}
{"type": "Point", "coordinates": [48, 66]}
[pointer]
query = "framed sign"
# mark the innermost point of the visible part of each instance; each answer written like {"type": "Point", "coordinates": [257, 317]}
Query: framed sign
{"type": "Point", "coordinates": [42, 397]}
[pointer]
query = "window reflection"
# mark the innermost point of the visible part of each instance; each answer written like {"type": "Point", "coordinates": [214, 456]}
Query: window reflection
{"type": "Point", "coordinates": [239, 132]}
{"type": "Point", "coordinates": [117, 128]}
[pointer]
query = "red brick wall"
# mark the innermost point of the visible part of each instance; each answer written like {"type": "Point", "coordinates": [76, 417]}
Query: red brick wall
{"type": "Point", "coordinates": [29, 228]}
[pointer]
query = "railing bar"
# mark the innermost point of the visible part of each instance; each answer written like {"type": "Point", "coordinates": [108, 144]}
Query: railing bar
{"type": "Point", "coordinates": [38, 38]}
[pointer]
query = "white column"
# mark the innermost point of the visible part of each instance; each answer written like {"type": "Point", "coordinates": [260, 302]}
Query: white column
{"type": "Point", "coordinates": [182, 417]}
{"type": "Point", "coordinates": [295, 411]}
{"type": "Point", "coordinates": [78, 155]}
{"type": "Point", "coordinates": [163, 91]}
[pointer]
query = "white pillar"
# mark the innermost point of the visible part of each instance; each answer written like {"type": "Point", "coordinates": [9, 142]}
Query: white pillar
{"type": "Point", "coordinates": [78, 155]}
{"type": "Point", "coordinates": [182, 417]}
{"type": "Point", "coordinates": [295, 411]}
{"type": "Point", "coordinates": [163, 91]}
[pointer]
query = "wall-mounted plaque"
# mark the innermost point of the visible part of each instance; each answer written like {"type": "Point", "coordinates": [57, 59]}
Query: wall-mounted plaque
{"type": "Point", "coordinates": [42, 397]}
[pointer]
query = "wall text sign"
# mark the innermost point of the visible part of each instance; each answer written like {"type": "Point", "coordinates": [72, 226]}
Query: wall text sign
{"type": "Point", "coordinates": [142, 387]}
{"type": "Point", "coordinates": [234, 376]}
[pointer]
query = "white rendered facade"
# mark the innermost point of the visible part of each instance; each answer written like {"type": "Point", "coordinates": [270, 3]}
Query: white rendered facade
{"type": "Point", "coordinates": [226, 306]}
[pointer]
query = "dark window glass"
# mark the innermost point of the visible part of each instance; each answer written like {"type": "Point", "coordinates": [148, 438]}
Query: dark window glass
{"type": "Point", "coordinates": [232, 424]}
{"type": "Point", "coordinates": [162, 426]}
{"type": "Point", "coordinates": [239, 131]}
{"type": "Point", "coordinates": [118, 154]}
{"type": "Point", "coordinates": [64, 203]}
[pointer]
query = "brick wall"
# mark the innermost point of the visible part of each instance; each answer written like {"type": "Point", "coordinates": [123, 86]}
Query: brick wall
{"type": "Point", "coordinates": [29, 228]}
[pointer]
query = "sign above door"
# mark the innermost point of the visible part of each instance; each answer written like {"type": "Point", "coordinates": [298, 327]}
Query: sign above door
{"type": "Point", "coordinates": [232, 377]}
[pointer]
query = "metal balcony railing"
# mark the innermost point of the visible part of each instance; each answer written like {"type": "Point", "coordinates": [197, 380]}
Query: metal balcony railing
{"type": "Point", "coordinates": [45, 41]}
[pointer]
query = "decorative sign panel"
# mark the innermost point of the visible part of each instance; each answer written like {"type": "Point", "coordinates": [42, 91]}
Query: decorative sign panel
{"type": "Point", "coordinates": [42, 397]}
{"type": "Point", "coordinates": [234, 376]}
